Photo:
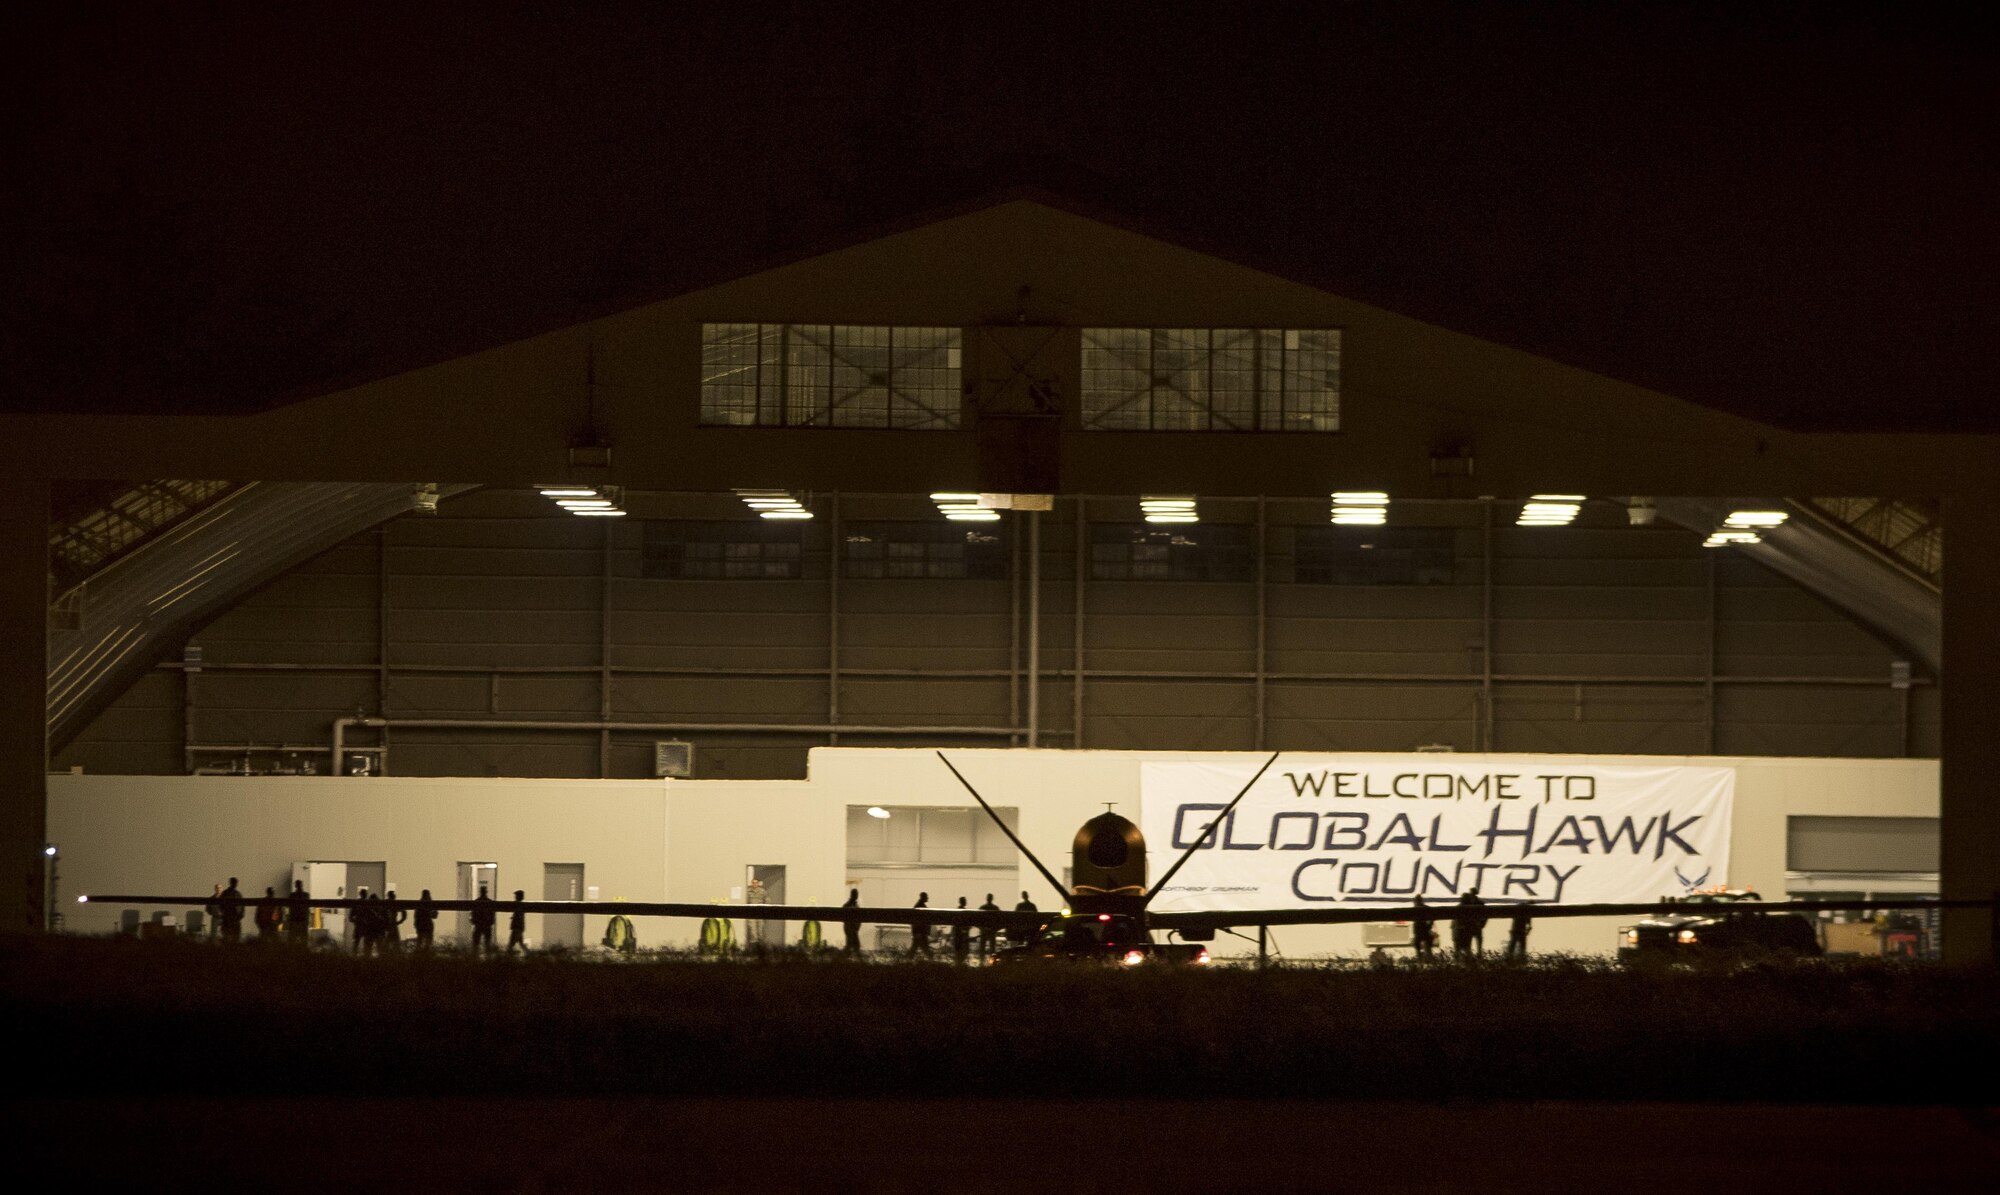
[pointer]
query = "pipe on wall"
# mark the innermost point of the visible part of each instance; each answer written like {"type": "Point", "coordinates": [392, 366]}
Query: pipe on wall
{"type": "Point", "coordinates": [341, 726]}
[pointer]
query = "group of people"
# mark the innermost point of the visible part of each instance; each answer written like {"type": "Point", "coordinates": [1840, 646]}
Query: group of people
{"type": "Point", "coordinates": [963, 942]}
{"type": "Point", "coordinates": [1468, 930]}
{"type": "Point", "coordinates": [374, 923]}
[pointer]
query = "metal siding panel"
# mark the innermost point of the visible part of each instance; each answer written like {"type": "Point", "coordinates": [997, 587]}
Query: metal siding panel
{"type": "Point", "coordinates": [1861, 843]}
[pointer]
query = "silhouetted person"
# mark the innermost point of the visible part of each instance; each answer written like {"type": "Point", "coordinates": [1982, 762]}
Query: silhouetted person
{"type": "Point", "coordinates": [1423, 930]}
{"type": "Point", "coordinates": [483, 914]}
{"type": "Point", "coordinates": [298, 914]}
{"type": "Point", "coordinates": [269, 915]}
{"type": "Point", "coordinates": [425, 922]}
{"type": "Point", "coordinates": [368, 924]}
{"type": "Point", "coordinates": [1468, 925]}
{"type": "Point", "coordinates": [517, 924]}
{"type": "Point", "coordinates": [393, 914]}
{"type": "Point", "coordinates": [231, 905]}
{"type": "Point", "coordinates": [986, 932]}
{"type": "Point", "coordinates": [1517, 937]}
{"type": "Point", "coordinates": [851, 926]}
{"type": "Point", "coordinates": [214, 910]}
{"type": "Point", "coordinates": [920, 929]}
{"type": "Point", "coordinates": [961, 939]}
{"type": "Point", "coordinates": [1023, 931]}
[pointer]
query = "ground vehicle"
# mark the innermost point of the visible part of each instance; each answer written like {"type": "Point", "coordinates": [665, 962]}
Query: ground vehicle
{"type": "Point", "coordinates": [1713, 923]}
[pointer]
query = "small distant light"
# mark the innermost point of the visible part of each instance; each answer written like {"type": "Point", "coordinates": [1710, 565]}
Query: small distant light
{"type": "Point", "coordinates": [1133, 958]}
{"type": "Point", "coordinates": [877, 811]}
{"type": "Point", "coordinates": [83, 900]}
{"type": "Point", "coordinates": [1104, 916]}
{"type": "Point", "coordinates": [50, 851]}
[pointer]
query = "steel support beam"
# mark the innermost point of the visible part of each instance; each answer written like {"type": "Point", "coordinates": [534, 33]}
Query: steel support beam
{"type": "Point", "coordinates": [1969, 867]}
{"type": "Point", "coordinates": [24, 598]}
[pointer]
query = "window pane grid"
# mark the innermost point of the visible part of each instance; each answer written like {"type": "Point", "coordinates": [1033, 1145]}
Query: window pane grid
{"type": "Point", "coordinates": [1142, 552]}
{"type": "Point", "coordinates": [830, 375]}
{"type": "Point", "coordinates": [943, 551]}
{"type": "Point", "coordinates": [1211, 379]}
{"type": "Point", "coordinates": [693, 550]}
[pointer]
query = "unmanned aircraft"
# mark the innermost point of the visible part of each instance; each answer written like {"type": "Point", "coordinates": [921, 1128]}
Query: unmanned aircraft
{"type": "Point", "coordinates": [1106, 913]}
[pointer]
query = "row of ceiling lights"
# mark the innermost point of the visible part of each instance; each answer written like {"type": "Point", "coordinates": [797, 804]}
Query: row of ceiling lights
{"type": "Point", "coordinates": [1347, 508]}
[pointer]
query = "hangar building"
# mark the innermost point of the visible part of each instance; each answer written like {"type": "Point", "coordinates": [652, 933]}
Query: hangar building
{"type": "Point", "coordinates": [1013, 475]}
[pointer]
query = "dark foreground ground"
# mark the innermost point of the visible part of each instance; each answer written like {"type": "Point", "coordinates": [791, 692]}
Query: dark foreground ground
{"type": "Point", "coordinates": [1006, 1147]}
{"type": "Point", "coordinates": [186, 1064]}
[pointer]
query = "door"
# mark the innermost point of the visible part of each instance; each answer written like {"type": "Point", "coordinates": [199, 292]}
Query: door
{"type": "Point", "coordinates": [471, 878]}
{"type": "Point", "coordinates": [562, 881]}
{"type": "Point", "coordinates": [326, 881]}
{"type": "Point", "coordinates": [767, 887]}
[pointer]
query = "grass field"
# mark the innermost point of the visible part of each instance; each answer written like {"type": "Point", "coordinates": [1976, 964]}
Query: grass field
{"type": "Point", "coordinates": [183, 1017]}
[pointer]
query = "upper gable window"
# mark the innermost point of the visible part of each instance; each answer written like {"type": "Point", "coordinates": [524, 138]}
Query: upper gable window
{"type": "Point", "coordinates": [1211, 379]}
{"type": "Point", "coordinates": [820, 375]}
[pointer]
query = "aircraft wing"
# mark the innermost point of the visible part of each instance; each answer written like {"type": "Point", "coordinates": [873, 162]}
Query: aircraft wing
{"type": "Point", "coordinates": [1348, 914]}
{"type": "Point", "coordinates": [899, 915]}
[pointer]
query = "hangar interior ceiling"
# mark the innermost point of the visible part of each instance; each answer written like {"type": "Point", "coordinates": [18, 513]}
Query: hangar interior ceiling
{"type": "Point", "coordinates": [501, 636]}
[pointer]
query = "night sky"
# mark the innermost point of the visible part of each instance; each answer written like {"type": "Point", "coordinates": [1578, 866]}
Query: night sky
{"type": "Point", "coordinates": [1784, 212]}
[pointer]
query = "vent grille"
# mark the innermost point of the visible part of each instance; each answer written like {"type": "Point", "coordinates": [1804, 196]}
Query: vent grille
{"type": "Point", "coordinates": [673, 758]}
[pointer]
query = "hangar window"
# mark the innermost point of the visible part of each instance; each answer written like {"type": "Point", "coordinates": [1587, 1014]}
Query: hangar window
{"type": "Point", "coordinates": [1372, 556]}
{"type": "Point", "coordinates": [1211, 379]}
{"type": "Point", "coordinates": [830, 375]}
{"type": "Point", "coordinates": [690, 550]}
{"type": "Point", "coordinates": [906, 834]}
{"type": "Point", "coordinates": [925, 549]}
{"type": "Point", "coordinates": [1194, 552]}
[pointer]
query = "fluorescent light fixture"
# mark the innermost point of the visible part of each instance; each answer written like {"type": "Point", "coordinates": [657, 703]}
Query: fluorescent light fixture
{"type": "Point", "coordinates": [1167, 508]}
{"type": "Point", "coordinates": [583, 499]}
{"type": "Point", "coordinates": [1359, 508]}
{"type": "Point", "coordinates": [600, 514]}
{"type": "Point", "coordinates": [774, 504]}
{"type": "Point", "coordinates": [963, 508]}
{"type": "Point", "coordinates": [1756, 518]}
{"type": "Point", "coordinates": [1723, 539]}
{"type": "Point", "coordinates": [1549, 510]}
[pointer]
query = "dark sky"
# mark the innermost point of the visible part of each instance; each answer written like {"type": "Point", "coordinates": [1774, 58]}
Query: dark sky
{"type": "Point", "coordinates": [1782, 211]}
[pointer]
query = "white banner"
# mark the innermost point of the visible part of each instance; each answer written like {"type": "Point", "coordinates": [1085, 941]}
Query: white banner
{"type": "Point", "coordinates": [1321, 830]}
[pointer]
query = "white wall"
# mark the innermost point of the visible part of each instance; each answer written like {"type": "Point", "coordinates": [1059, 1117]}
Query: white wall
{"type": "Point", "coordinates": [693, 840]}
{"type": "Point", "coordinates": [169, 835]}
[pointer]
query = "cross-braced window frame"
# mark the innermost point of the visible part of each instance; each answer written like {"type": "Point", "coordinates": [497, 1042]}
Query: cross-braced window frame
{"type": "Point", "coordinates": [831, 375]}
{"type": "Point", "coordinates": [1211, 379]}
